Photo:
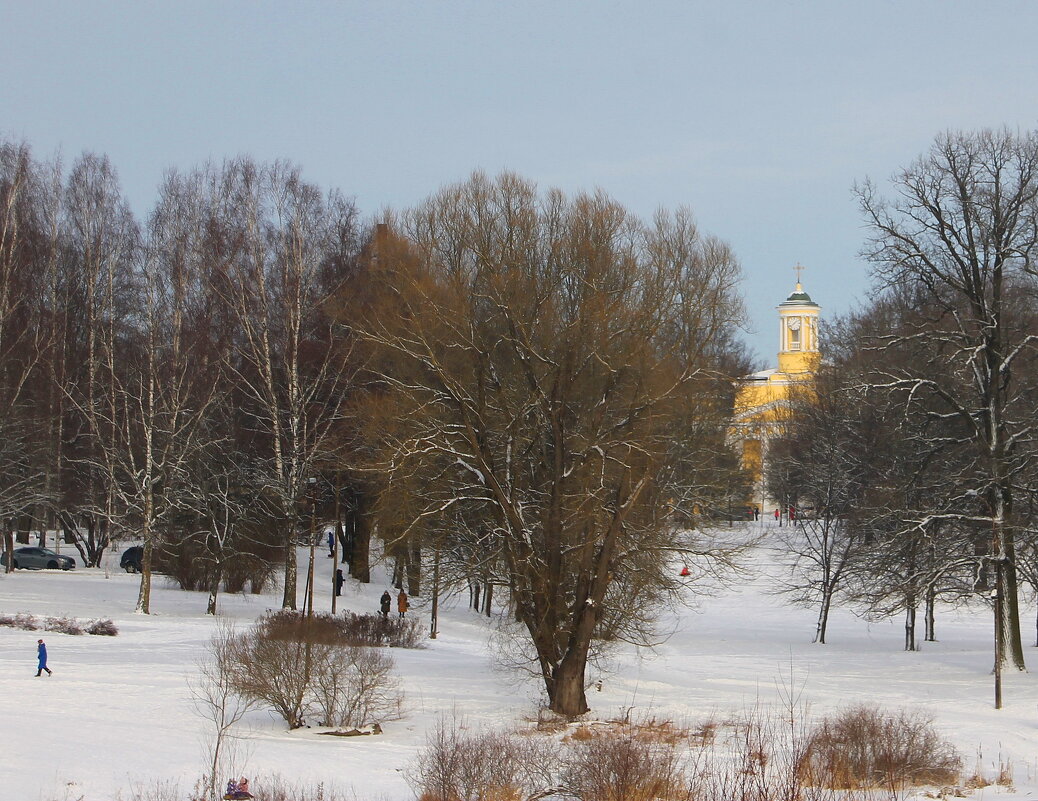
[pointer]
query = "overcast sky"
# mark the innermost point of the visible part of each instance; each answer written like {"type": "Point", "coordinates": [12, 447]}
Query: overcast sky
{"type": "Point", "coordinates": [760, 116]}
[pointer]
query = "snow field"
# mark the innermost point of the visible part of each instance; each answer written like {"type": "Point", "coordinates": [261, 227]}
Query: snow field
{"type": "Point", "coordinates": [118, 710]}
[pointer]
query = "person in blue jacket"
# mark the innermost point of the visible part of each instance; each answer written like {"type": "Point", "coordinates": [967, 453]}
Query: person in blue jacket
{"type": "Point", "coordinates": [41, 652]}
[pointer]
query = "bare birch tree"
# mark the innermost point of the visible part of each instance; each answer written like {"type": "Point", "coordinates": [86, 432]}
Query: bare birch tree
{"type": "Point", "coordinates": [29, 201]}
{"type": "Point", "coordinates": [292, 382]}
{"type": "Point", "coordinates": [165, 391]}
{"type": "Point", "coordinates": [101, 239]}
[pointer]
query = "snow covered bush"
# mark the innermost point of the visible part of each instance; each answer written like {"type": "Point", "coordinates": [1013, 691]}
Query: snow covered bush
{"type": "Point", "coordinates": [103, 627]}
{"type": "Point", "coordinates": [866, 747]}
{"type": "Point", "coordinates": [63, 625]}
{"type": "Point", "coordinates": [307, 671]}
{"type": "Point", "coordinates": [19, 621]}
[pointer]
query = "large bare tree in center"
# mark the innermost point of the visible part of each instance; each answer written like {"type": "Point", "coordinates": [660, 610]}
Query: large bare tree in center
{"type": "Point", "coordinates": [549, 354]}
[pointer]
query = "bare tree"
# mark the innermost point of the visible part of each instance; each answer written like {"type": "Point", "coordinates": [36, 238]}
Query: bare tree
{"type": "Point", "coordinates": [543, 356]}
{"type": "Point", "coordinates": [28, 210]}
{"type": "Point", "coordinates": [292, 382]}
{"type": "Point", "coordinates": [822, 467]}
{"type": "Point", "coordinates": [963, 232]}
{"type": "Point", "coordinates": [218, 702]}
{"type": "Point", "coordinates": [102, 241]}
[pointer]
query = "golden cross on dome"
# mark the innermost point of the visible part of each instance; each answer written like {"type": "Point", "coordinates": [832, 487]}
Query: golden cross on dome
{"type": "Point", "coordinates": [799, 268]}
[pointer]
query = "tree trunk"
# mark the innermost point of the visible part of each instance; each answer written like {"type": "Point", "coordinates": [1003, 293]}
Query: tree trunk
{"type": "Point", "coordinates": [1013, 650]}
{"type": "Point", "coordinates": [8, 550]}
{"type": "Point", "coordinates": [910, 610]}
{"type": "Point", "coordinates": [360, 563]}
{"type": "Point", "coordinates": [434, 615]}
{"type": "Point", "coordinates": [144, 593]}
{"type": "Point", "coordinates": [398, 567]}
{"type": "Point", "coordinates": [414, 569]}
{"type": "Point", "coordinates": [288, 600]}
{"type": "Point", "coordinates": [930, 622]}
{"type": "Point", "coordinates": [343, 540]}
{"type": "Point", "coordinates": [214, 589]}
{"type": "Point", "coordinates": [823, 617]}
{"type": "Point", "coordinates": [567, 686]}
{"type": "Point", "coordinates": [488, 599]}
{"type": "Point", "coordinates": [25, 528]}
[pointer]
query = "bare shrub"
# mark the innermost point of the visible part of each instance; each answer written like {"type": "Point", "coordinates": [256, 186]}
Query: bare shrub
{"type": "Point", "coordinates": [275, 672]}
{"type": "Point", "coordinates": [277, 788]}
{"type": "Point", "coordinates": [21, 620]}
{"type": "Point", "coordinates": [623, 766]}
{"type": "Point", "coordinates": [378, 630]}
{"type": "Point", "coordinates": [63, 625]}
{"type": "Point", "coordinates": [290, 625]}
{"type": "Point", "coordinates": [305, 669]}
{"type": "Point", "coordinates": [356, 686]}
{"type": "Point", "coordinates": [754, 758]}
{"type": "Point", "coordinates": [220, 705]}
{"type": "Point", "coordinates": [263, 788]}
{"type": "Point", "coordinates": [763, 756]}
{"type": "Point", "coordinates": [103, 627]}
{"type": "Point", "coordinates": [482, 765]}
{"type": "Point", "coordinates": [865, 747]}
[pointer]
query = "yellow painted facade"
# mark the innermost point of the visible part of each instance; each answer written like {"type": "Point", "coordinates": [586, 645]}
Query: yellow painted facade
{"type": "Point", "coordinates": [761, 401]}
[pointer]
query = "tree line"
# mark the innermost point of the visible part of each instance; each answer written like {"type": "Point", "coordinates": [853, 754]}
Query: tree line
{"type": "Point", "coordinates": [513, 390]}
{"type": "Point", "coordinates": [510, 388]}
{"type": "Point", "coordinates": [916, 448]}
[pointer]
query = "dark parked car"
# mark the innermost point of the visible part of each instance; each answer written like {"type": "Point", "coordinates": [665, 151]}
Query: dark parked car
{"type": "Point", "coordinates": [130, 561]}
{"type": "Point", "coordinates": [33, 558]}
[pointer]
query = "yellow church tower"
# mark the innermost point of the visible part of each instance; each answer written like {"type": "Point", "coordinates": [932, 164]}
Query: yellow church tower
{"type": "Point", "coordinates": [762, 398]}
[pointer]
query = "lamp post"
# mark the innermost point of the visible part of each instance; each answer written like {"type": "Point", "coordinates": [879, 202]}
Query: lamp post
{"type": "Point", "coordinates": [312, 486]}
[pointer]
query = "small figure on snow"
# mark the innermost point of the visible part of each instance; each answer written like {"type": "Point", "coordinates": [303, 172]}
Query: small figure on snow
{"type": "Point", "coordinates": [776, 514]}
{"type": "Point", "coordinates": [401, 603]}
{"type": "Point", "coordinates": [339, 582]}
{"type": "Point", "coordinates": [238, 790]}
{"type": "Point", "coordinates": [331, 544]}
{"type": "Point", "coordinates": [41, 654]}
{"type": "Point", "coordinates": [385, 602]}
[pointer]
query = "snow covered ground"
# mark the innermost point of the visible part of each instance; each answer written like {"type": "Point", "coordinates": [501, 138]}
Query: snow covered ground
{"type": "Point", "coordinates": [117, 710]}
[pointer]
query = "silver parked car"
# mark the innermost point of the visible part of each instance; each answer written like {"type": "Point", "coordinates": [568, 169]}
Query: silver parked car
{"type": "Point", "coordinates": [33, 558]}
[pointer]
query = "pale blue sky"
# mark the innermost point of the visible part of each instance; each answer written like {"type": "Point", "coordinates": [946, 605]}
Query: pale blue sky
{"type": "Point", "coordinates": [760, 116]}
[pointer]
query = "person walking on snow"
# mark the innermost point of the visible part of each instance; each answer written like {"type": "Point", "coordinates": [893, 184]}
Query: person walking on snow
{"type": "Point", "coordinates": [41, 652]}
{"type": "Point", "coordinates": [401, 603]}
{"type": "Point", "coordinates": [384, 603]}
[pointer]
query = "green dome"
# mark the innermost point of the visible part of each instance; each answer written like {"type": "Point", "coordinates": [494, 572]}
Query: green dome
{"type": "Point", "coordinates": [798, 298]}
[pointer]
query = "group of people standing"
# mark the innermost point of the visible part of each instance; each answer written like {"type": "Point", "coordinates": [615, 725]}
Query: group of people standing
{"type": "Point", "coordinates": [386, 602]}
